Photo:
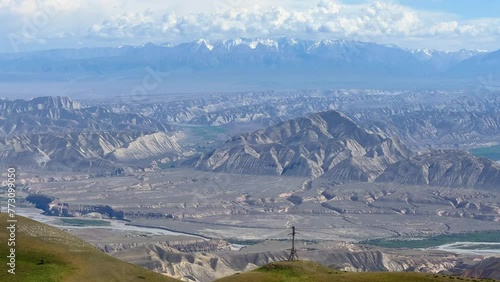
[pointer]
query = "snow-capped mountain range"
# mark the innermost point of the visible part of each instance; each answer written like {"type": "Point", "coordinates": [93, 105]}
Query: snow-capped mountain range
{"type": "Point", "coordinates": [306, 46]}
{"type": "Point", "coordinates": [275, 63]}
{"type": "Point", "coordinates": [246, 45]}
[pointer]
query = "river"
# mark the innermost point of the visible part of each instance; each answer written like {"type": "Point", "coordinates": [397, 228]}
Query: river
{"type": "Point", "coordinates": [473, 248]}
{"type": "Point", "coordinates": [36, 214]}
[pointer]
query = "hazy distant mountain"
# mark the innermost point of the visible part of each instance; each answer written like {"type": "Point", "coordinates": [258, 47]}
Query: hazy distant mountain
{"type": "Point", "coordinates": [262, 62]}
{"type": "Point", "coordinates": [11, 107]}
{"type": "Point", "coordinates": [60, 114]}
{"type": "Point", "coordinates": [486, 65]}
{"type": "Point", "coordinates": [443, 60]}
{"type": "Point", "coordinates": [225, 52]}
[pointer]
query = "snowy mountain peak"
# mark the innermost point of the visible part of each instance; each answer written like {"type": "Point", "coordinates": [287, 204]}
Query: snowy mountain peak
{"type": "Point", "coordinates": [435, 55]}
{"type": "Point", "coordinates": [205, 43]}
{"type": "Point", "coordinates": [426, 52]}
{"type": "Point", "coordinates": [167, 45]}
{"type": "Point", "coordinates": [264, 42]}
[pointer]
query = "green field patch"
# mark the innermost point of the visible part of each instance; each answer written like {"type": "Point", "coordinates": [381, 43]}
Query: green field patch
{"type": "Point", "coordinates": [207, 131]}
{"type": "Point", "coordinates": [492, 153]}
{"type": "Point", "coordinates": [435, 241]}
{"type": "Point", "coordinates": [84, 222]}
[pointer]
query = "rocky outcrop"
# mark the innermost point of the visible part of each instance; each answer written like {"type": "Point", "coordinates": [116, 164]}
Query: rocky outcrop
{"type": "Point", "coordinates": [206, 267]}
{"type": "Point", "coordinates": [55, 207]}
{"type": "Point", "coordinates": [450, 168]}
{"type": "Point", "coordinates": [487, 268]}
{"type": "Point", "coordinates": [54, 104]}
{"type": "Point", "coordinates": [441, 119]}
{"type": "Point", "coordinates": [60, 114]}
{"type": "Point", "coordinates": [327, 144]}
{"type": "Point", "coordinates": [56, 133]}
{"type": "Point", "coordinates": [89, 151]}
{"type": "Point", "coordinates": [186, 246]}
{"type": "Point", "coordinates": [449, 124]}
{"type": "Point", "coordinates": [332, 146]}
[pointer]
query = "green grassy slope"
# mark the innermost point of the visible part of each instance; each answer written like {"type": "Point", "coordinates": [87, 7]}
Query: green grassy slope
{"type": "Point", "coordinates": [306, 271]}
{"type": "Point", "coordinates": [44, 253]}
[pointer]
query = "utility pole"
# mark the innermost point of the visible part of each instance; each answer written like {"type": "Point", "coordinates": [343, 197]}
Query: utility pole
{"type": "Point", "coordinates": [293, 253]}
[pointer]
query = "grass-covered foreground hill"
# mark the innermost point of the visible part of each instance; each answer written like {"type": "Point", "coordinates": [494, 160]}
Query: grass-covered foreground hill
{"type": "Point", "coordinates": [44, 253]}
{"type": "Point", "coordinates": [306, 271]}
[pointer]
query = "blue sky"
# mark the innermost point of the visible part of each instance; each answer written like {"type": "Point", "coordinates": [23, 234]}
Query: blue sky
{"type": "Point", "coordinates": [464, 9]}
{"type": "Point", "coordinates": [436, 24]}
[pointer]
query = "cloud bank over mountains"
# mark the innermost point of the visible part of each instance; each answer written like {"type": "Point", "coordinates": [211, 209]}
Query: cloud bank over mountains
{"type": "Point", "coordinates": [42, 24]}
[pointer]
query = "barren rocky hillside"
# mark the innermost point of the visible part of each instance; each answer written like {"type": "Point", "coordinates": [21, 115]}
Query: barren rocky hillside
{"type": "Point", "coordinates": [56, 133]}
{"type": "Point", "coordinates": [328, 143]}
{"type": "Point", "coordinates": [331, 145]}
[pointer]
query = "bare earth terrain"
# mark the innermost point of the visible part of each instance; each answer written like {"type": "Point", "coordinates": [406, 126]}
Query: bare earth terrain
{"type": "Point", "coordinates": [249, 207]}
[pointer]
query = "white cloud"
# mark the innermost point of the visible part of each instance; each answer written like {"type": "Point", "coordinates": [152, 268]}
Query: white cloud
{"type": "Point", "coordinates": [127, 25]}
{"type": "Point", "coordinates": [135, 22]}
{"type": "Point", "coordinates": [446, 27]}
